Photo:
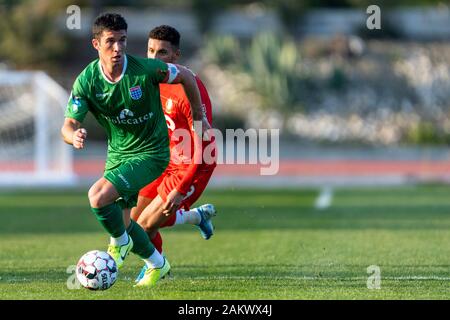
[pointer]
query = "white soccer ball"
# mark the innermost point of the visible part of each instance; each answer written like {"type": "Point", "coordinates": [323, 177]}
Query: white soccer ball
{"type": "Point", "coordinates": [96, 270]}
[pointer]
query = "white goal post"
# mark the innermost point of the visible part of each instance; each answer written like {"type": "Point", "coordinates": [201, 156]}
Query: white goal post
{"type": "Point", "coordinates": [32, 152]}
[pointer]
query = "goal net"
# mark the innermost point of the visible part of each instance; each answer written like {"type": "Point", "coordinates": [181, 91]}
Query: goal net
{"type": "Point", "coordinates": [32, 152]}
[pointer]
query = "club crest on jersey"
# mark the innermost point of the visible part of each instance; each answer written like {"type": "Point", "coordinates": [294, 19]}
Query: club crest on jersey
{"type": "Point", "coordinates": [136, 92]}
{"type": "Point", "coordinates": [169, 106]}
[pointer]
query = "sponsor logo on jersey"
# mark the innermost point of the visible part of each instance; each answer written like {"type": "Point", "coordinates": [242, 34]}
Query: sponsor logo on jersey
{"type": "Point", "coordinates": [102, 95]}
{"type": "Point", "coordinates": [125, 112]}
{"type": "Point", "coordinates": [127, 117]}
{"type": "Point", "coordinates": [136, 92]}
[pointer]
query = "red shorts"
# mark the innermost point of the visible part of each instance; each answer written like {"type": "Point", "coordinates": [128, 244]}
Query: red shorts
{"type": "Point", "coordinates": [168, 182]}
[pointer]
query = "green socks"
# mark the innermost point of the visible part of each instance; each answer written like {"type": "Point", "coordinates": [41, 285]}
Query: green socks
{"type": "Point", "coordinates": [111, 218]}
{"type": "Point", "coordinates": [141, 243]}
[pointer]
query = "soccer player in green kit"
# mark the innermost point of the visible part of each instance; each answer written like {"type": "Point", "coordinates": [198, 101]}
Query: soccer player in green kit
{"type": "Point", "coordinates": [122, 92]}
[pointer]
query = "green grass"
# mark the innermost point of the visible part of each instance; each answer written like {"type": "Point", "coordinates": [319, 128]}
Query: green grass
{"type": "Point", "coordinates": [268, 245]}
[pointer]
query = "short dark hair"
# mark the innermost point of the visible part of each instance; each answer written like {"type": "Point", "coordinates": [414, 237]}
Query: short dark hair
{"type": "Point", "coordinates": [108, 21]}
{"type": "Point", "coordinates": [166, 33]}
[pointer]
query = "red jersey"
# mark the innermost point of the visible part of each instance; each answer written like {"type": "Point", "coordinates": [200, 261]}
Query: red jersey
{"type": "Point", "coordinates": [177, 111]}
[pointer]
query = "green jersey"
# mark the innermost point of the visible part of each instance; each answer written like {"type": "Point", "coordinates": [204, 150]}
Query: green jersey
{"type": "Point", "coordinates": [129, 109]}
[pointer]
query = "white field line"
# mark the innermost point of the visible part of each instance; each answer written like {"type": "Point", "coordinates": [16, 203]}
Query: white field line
{"type": "Point", "coordinates": [325, 198]}
{"type": "Point", "coordinates": [307, 278]}
{"type": "Point", "coordinates": [400, 278]}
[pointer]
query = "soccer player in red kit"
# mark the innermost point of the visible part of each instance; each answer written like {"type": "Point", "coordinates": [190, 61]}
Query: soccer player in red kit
{"type": "Point", "coordinates": [176, 190]}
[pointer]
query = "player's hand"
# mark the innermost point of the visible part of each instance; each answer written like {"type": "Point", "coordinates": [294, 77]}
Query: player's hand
{"type": "Point", "coordinates": [173, 202]}
{"type": "Point", "coordinates": [78, 138]}
{"type": "Point", "coordinates": [205, 126]}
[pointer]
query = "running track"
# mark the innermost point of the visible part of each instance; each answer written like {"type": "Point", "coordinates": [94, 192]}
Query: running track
{"type": "Point", "coordinates": [297, 172]}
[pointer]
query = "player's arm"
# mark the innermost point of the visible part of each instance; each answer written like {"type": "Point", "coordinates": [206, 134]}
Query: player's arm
{"type": "Point", "coordinates": [176, 196]}
{"type": "Point", "coordinates": [161, 72]}
{"type": "Point", "coordinates": [77, 108]}
{"type": "Point", "coordinates": [73, 134]}
{"type": "Point", "coordinates": [197, 158]}
{"type": "Point", "coordinates": [180, 74]}
{"type": "Point", "coordinates": [187, 79]}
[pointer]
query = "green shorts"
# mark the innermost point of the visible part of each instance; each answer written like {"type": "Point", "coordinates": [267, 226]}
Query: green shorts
{"type": "Point", "coordinates": [131, 175]}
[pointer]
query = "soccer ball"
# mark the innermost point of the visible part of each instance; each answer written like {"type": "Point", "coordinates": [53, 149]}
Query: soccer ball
{"type": "Point", "coordinates": [96, 270]}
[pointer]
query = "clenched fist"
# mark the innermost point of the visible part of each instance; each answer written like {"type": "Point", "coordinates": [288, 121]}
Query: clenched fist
{"type": "Point", "coordinates": [78, 138]}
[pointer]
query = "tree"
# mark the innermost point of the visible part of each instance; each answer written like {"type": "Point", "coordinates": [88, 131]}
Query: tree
{"type": "Point", "coordinates": [29, 35]}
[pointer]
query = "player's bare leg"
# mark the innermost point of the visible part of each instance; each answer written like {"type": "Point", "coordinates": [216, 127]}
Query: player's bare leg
{"type": "Point", "coordinates": [142, 203]}
{"type": "Point", "coordinates": [152, 216]}
{"type": "Point", "coordinates": [200, 216]}
{"type": "Point", "coordinates": [149, 213]}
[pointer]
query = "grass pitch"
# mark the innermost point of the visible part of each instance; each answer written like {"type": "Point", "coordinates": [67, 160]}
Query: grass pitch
{"type": "Point", "coordinates": [268, 245]}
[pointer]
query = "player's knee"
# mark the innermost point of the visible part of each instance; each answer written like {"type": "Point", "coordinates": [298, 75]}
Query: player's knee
{"type": "Point", "coordinates": [147, 225]}
{"type": "Point", "coordinates": [135, 213]}
{"type": "Point", "coordinates": [98, 197]}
